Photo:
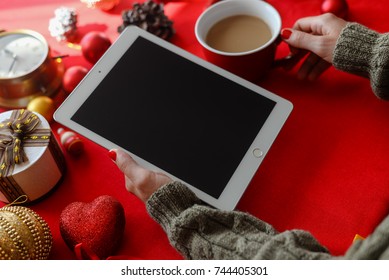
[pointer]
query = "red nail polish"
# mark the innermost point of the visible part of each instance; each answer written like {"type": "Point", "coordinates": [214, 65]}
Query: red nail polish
{"type": "Point", "coordinates": [285, 34]}
{"type": "Point", "coordinates": [112, 154]}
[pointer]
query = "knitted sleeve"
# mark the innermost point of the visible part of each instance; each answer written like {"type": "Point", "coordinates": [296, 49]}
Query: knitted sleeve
{"type": "Point", "coordinates": [374, 247]}
{"type": "Point", "coordinates": [364, 52]}
{"type": "Point", "coordinates": [198, 231]}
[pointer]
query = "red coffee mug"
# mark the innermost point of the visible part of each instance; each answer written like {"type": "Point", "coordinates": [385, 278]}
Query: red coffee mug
{"type": "Point", "coordinates": [251, 64]}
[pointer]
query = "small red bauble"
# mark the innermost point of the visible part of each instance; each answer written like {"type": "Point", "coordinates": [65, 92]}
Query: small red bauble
{"type": "Point", "coordinates": [72, 77]}
{"type": "Point", "coordinates": [93, 45]}
{"type": "Point", "coordinates": [336, 7]}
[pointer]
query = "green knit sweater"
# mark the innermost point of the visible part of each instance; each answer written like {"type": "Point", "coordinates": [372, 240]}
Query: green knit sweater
{"type": "Point", "coordinates": [364, 52]}
{"type": "Point", "coordinates": [199, 231]}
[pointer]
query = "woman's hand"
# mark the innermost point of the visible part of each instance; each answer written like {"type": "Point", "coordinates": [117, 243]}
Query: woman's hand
{"type": "Point", "coordinates": [316, 36]}
{"type": "Point", "coordinates": [139, 180]}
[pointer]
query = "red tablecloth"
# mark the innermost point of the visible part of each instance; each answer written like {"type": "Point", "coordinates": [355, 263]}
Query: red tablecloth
{"type": "Point", "coordinates": [327, 172]}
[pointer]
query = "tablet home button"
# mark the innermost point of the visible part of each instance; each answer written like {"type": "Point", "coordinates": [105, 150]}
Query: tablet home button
{"type": "Point", "coordinates": [257, 153]}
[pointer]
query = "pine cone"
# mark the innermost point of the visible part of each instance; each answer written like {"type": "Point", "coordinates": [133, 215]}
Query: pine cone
{"type": "Point", "coordinates": [149, 16]}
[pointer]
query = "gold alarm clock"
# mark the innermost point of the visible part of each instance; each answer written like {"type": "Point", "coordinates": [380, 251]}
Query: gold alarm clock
{"type": "Point", "coordinates": [27, 69]}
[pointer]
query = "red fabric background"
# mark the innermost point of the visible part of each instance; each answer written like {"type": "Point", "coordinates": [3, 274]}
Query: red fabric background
{"type": "Point", "coordinates": [326, 173]}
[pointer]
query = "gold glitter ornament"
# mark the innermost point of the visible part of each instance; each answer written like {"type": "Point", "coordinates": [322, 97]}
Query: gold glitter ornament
{"type": "Point", "coordinates": [43, 105]}
{"type": "Point", "coordinates": [24, 235]}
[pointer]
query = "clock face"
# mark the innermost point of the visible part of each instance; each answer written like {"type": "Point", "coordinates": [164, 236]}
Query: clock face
{"type": "Point", "coordinates": [20, 54]}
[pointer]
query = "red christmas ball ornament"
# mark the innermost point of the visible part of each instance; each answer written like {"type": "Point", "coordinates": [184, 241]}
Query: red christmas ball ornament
{"type": "Point", "coordinates": [72, 77]}
{"type": "Point", "coordinates": [336, 7]}
{"type": "Point", "coordinates": [71, 142]}
{"type": "Point", "coordinates": [93, 45]}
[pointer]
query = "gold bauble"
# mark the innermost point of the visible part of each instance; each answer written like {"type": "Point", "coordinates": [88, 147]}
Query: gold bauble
{"type": "Point", "coordinates": [104, 5]}
{"type": "Point", "coordinates": [43, 105]}
{"type": "Point", "coordinates": [24, 235]}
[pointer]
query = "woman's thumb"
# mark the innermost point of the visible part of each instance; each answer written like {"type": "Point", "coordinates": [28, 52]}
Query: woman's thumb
{"type": "Point", "coordinates": [123, 160]}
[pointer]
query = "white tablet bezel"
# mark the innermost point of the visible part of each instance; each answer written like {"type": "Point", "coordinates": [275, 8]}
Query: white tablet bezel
{"type": "Point", "coordinates": [254, 155]}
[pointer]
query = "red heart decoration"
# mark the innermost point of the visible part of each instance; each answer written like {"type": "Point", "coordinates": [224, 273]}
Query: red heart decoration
{"type": "Point", "coordinates": [98, 225]}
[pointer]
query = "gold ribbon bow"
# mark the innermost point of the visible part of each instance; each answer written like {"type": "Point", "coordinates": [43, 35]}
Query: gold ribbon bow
{"type": "Point", "coordinates": [16, 133]}
{"type": "Point", "coordinates": [12, 134]}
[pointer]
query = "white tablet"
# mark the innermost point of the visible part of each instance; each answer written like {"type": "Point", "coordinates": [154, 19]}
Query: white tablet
{"type": "Point", "coordinates": [178, 114]}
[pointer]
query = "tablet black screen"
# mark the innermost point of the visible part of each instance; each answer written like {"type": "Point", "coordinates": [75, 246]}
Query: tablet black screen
{"type": "Point", "coordinates": [176, 114]}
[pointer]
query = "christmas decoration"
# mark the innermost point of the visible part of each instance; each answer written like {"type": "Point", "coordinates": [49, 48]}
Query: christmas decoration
{"type": "Point", "coordinates": [43, 105]}
{"type": "Point", "coordinates": [31, 160]}
{"type": "Point", "coordinates": [104, 5]}
{"type": "Point", "coordinates": [96, 227]}
{"type": "Point", "coordinates": [24, 235]}
{"type": "Point", "coordinates": [64, 24]}
{"type": "Point", "coordinates": [93, 45]}
{"type": "Point", "coordinates": [72, 77]}
{"type": "Point", "coordinates": [149, 16]}
{"type": "Point", "coordinates": [336, 7]}
{"type": "Point", "coordinates": [70, 141]}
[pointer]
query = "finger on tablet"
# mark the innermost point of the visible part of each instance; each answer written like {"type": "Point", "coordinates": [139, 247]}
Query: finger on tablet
{"type": "Point", "coordinates": [125, 162]}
